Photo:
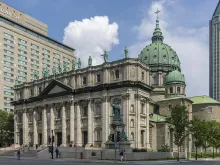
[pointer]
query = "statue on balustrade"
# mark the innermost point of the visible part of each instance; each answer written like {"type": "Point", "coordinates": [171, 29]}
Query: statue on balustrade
{"type": "Point", "coordinates": [105, 56]}
{"type": "Point", "coordinates": [79, 63]}
{"type": "Point", "coordinates": [90, 61]}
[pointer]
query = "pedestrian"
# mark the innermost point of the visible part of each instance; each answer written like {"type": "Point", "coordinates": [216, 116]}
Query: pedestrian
{"type": "Point", "coordinates": [57, 152]}
{"type": "Point", "coordinates": [19, 154]}
{"type": "Point", "coordinates": [122, 155]}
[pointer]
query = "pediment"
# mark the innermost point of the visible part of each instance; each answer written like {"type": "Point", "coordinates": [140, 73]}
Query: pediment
{"type": "Point", "coordinates": [55, 87]}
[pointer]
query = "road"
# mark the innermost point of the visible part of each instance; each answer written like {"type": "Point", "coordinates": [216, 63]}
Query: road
{"type": "Point", "coordinates": [34, 161]}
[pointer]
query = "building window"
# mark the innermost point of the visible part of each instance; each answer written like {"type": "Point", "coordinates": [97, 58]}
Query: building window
{"type": "Point", "coordinates": [8, 46]}
{"type": "Point", "coordinates": [8, 79]}
{"type": "Point", "coordinates": [22, 41]}
{"type": "Point", "coordinates": [142, 76]}
{"type": "Point", "coordinates": [98, 135]}
{"type": "Point", "coordinates": [9, 35]}
{"type": "Point", "coordinates": [46, 55]}
{"type": "Point", "coordinates": [209, 109]}
{"type": "Point", "coordinates": [178, 89]}
{"type": "Point", "coordinates": [117, 74]}
{"type": "Point", "coordinates": [22, 46]}
{"type": "Point", "coordinates": [34, 46]}
{"type": "Point", "coordinates": [8, 52]}
{"type": "Point", "coordinates": [35, 61]}
{"type": "Point", "coordinates": [22, 57]}
{"type": "Point", "coordinates": [34, 66]}
{"type": "Point", "coordinates": [22, 62]}
{"type": "Point", "coordinates": [30, 117]}
{"type": "Point", "coordinates": [171, 89]}
{"type": "Point", "coordinates": [22, 67]}
{"type": "Point", "coordinates": [8, 69]}
{"type": "Point", "coordinates": [34, 51]}
{"type": "Point", "coordinates": [21, 51]}
{"type": "Point", "coordinates": [7, 104]}
{"type": "Point", "coordinates": [8, 74]}
{"type": "Point", "coordinates": [9, 58]}
{"type": "Point", "coordinates": [8, 87]}
{"type": "Point", "coordinates": [8, 93]}
{"type": "Point", "coordinates": [8, 63]}
{"type": "Point", "coordinates": [85, 111]}
{"type": "Point", "coordinates": [84, 81]}
{"type": "Point", "coordinates": [155, 79]}
{"type": "Point", "coordinates": [58, 113]}
{"type": "Point", "coordinates": [8, 41]}
{"type": "Point", "coordinates": [97, 108]}
{"type": "Point", "coordinates": [45, 50]}
{"type": "Point", "coordinates": [98, 78]}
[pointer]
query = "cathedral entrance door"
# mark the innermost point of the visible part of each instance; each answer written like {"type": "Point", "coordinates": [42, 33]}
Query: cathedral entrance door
{"type": "Point", "coordinates": [85, 137]}
{"type": "Point", "coordinates": [40, 139]}
{"type": "Point", "coordinates": [59, 138]}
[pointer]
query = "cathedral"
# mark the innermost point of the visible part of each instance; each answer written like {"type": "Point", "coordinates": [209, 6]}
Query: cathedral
{"type": "Point", "coordinates": [76, 105]}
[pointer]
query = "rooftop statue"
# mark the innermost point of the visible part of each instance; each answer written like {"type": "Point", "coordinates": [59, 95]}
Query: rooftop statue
{"type": "Point", "coordinates": [79, 63]}
{"type": "Point", "coordinates": [126, 52]}
{"type": "Point", "coordinates": [90, 61]}
{"type": "Point", "coordinates": [105, 56]}
{"type": "Point", "coordinates": [73, 65]}
{"type": "Point", "coordinates": [116, 111]}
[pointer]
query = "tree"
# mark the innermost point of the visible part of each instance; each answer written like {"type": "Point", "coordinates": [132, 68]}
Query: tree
{"type": "Point", "coordinates": [214, 138]}
{"type": "Point", "coordinates": [196, 128]}
{"type": "Point", "coordinates": [179, 123]}
{"type": "Point", "coordinates": [6, 127]}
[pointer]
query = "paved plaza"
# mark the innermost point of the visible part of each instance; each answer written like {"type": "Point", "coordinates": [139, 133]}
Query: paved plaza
{"type": "Point", "coordinates": [34, 161]}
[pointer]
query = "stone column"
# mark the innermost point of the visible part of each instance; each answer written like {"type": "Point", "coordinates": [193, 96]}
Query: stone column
{"type": "Point", "coordinates": [105, 121]}
{"type": "Point", "coordinates": [89, 123]}
{"type": "Point", "coordinates": [78, 125]}
{"type": "Point", "coordinates": [126, 109]}
{"type": "Point", "coordinates": [72, 126]}
{"type": "Point", "coordinates": [15, 129]}
{"type": "Point", "coordinates": [25, 127]}
{"type": "Point", "coordinates": [44, 126]}
{"type": "Point", "coordinates": [147, 140]}
{"type": "Point", "coordinates": [138, 119]}
{"type": "Point", "coordinates": [63, 125]}
{"type": "Point", "coordinates": [35, 135]}
{"type": "Point", "coordinates": [52, 119]}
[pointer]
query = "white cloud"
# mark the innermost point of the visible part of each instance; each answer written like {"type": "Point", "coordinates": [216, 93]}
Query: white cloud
{"type": "Point", "coordinates": [90, 37]}
{"type": "Point", "coordinates": [191, 45]}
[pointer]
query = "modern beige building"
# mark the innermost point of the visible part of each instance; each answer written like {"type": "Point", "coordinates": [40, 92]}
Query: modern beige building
{"type": "Point", "coordinates": [25, 49]}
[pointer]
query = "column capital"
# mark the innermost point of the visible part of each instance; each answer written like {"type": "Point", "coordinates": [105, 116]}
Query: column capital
{"type": "Point", "coordinates": [137, 96]}
{"type": "Point", "coordinates": [126, 96]}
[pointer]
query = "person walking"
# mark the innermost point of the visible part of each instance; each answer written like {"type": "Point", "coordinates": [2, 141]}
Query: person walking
{"type": "Point", "coordinates": [122, 155]}
{"type": "Point", "coordinates": [19, 154]}
{"type": "Point", "coordinates": [57, 152]}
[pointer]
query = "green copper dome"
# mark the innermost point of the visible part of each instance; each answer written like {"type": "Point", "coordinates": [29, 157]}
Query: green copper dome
{"type": "Point", "coordinates": [159, 54]}
{"type": "Point", "coordinates": [175, 77]}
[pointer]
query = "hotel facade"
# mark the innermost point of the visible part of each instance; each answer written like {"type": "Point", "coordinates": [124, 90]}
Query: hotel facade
{"type": "Point", "coordinates": [26, 49]}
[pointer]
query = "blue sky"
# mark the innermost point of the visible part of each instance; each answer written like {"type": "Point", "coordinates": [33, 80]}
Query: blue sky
{"type": "Point", "coordinates": [184, 24]}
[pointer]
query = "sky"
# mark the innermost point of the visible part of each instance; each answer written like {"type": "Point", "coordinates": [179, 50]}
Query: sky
{"type": "Point", "coordinates": [92, 26]}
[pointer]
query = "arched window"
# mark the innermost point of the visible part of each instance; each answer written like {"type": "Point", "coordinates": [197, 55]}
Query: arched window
{"type": "Point", "coordinates": [178, 89]}
{"type": "Point", "coordinates": [132, 123]}
{"type": "Point", "coordinates": [117, 74]}
{"type": "Point", "coordinates": [171, 89]}
{"type": "Point", "coordinates": [132, 136]}
{"type": "Point", "coordinates": [97, 108]}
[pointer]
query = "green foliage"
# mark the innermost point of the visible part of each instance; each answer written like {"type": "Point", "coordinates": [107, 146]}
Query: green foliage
{"type": "Point", "coordinates": [139, 150]}
{"type": "Point", "coordinates": [178, 123]}
{"type": "Point", "coordinates": [165, 148]}
{"type": "Point", "coordinates": [6, 127]}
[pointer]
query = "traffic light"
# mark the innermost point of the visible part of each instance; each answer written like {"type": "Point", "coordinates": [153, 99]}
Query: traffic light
{"type": "Point", "coordinates": [112, 138]}
{"type": "Point", "coordinates": [118, 136]}
{"type": "Point", "coordinates": [49, 139]}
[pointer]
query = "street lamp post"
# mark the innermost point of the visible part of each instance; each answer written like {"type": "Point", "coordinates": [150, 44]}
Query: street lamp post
{"type": "Point", "coordinates": [52, 144]}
